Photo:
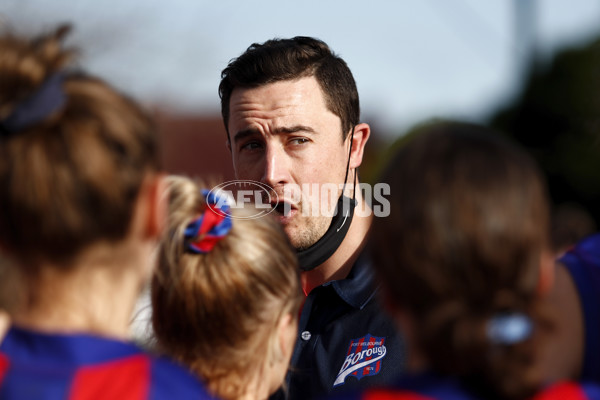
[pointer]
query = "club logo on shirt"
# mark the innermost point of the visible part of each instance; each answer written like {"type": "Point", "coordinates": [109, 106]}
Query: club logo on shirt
{"type": "Point", "coordinates": [363, 358]}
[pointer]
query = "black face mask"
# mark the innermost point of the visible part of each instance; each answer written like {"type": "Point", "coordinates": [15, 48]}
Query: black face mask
{"type": "Point", "coordinates": [324, 248]}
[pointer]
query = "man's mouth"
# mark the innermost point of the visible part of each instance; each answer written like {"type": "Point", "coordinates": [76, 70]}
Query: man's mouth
{"type": "Point", "coordinates": [284, 209]}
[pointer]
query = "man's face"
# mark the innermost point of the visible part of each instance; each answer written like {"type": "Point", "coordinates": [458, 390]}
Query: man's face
{"type": "Point", "coordinates": [283, 135]}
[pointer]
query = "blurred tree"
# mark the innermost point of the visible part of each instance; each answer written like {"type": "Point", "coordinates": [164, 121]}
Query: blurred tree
{"type": "Point", "coordinates": [557, 119]}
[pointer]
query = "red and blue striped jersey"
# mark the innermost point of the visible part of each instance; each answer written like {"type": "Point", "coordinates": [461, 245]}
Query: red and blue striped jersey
{"type": "Point", "coordinates": [570, 391]}
{"type": "Point", "coordinates": [86, 367]}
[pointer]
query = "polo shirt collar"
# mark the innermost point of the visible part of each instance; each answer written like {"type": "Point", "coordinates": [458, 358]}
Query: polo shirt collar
{"type": "Point", "coordinates": [359, 287]}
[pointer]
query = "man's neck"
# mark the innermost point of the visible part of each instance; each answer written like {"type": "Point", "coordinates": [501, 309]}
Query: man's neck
{"type": "Point", "coordinates": [338, 266]}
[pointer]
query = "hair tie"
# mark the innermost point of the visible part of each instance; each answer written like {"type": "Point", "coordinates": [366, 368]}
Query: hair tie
{"type": "Point", "coordinates": [48, 98]}
{"type": "Point", "coordinates": [509, 329]}
{"type": "Point", "coordinates": [203, 233]}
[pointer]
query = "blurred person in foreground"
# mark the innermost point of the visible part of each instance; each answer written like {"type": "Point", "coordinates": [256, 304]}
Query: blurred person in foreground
{"type": "Point", "coordinates": [465, 261]}
{"type": "Point", "coordinates": [291, 112]}
{"type": "Point", "coordinates": [575, 301]}
{"type": "Point", "coordinates": [80, 197]}
{"type": "Point", "coordinates": [226, 294]}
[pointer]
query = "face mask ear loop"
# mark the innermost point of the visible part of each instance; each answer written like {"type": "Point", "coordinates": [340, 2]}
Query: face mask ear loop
{"type": "Point", "coordinates": [348, 167]}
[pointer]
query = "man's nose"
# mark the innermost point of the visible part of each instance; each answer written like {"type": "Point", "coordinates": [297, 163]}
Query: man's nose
{"type": "Point", "coordinates": [277, 166]}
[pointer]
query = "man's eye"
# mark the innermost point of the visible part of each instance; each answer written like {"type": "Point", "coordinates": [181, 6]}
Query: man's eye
{"type": "Point", "coordinates": [299, 140]}
{"type": "Point", "coordinates": [250, 146]}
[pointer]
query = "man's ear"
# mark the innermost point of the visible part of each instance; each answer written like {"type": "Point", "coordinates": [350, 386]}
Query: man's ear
{"type": "Point", "coordinates": [361, 135]}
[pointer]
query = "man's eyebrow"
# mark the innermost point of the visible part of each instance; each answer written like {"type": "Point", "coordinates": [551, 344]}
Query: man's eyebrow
{"type": "Point", "coordinates": [241, 135]}
{"type": "Point", "coordinates": [294, 129]}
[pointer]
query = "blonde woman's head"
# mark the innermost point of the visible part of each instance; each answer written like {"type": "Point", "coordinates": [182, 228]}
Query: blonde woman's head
{"type": "Point", "coordinates": [229, 314]}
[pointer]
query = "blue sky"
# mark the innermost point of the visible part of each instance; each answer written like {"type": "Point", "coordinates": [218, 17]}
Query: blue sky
{"type": "Point", "coordinates": [412, 59]}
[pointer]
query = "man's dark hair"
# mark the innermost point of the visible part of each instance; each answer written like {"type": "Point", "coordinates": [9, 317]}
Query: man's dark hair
{"type": "Point", "coordinates": [286, 59]}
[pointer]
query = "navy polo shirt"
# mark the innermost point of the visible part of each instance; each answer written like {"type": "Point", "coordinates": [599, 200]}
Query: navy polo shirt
{"type": "Point", "coordinates": [345, 339]}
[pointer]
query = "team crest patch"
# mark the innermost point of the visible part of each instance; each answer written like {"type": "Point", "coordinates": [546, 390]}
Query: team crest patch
{"type": "Point", "coordinates": [363, 358]}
